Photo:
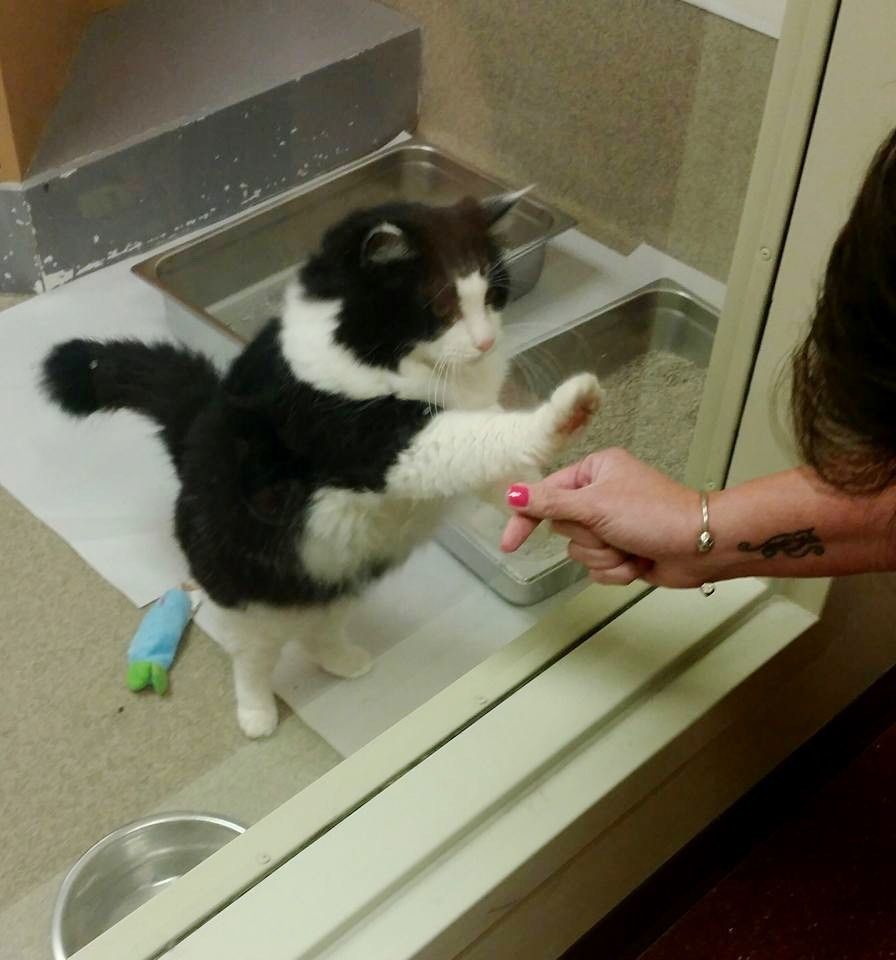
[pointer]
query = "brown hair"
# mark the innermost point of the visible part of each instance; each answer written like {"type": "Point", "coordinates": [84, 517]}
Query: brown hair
{"type": "Point", "coordinates": [844, 373]}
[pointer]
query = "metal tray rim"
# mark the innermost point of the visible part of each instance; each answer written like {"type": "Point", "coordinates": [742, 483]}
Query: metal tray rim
{"type": "Point", "coordinates": [660, 285]}
{"type": "Point", "coordinates": [508, 583]}
{"type": "Point", "coordinates": [148, 269]}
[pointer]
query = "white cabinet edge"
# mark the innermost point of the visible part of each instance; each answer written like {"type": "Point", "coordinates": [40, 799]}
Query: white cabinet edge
{"type": "Point", "coordinates": [763, 16]}
{"type": "Point", "coordinates": [419, 867]}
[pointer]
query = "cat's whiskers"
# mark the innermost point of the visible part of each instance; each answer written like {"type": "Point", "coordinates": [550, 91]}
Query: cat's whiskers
{"type": "Point", "coordinates": [495, 268]}
{"type": "Point", "coordinates": [432, 387]}
{"type": "Point", "coordinates": [437, 294]}
{"type": "Point", "coordinates": [458, 367]}
{"type": "Point", "coordinates": [497, 271]}
{"type": "Point", "coordinates": [430, 400]}
{"type": "Point", "coordinates": [443, 363]}
{"type": "Point", "coordinates": [522, 365]}
{"type": "Point", "coordinates": [364, 406]}
{"type": "Point", "coordinates": [541, 371]}
{"type": "Point", "coordinates": [455, 378]}
{"type": "Point", "coordinates": [446, 380]}
{"type": "Point", "coordinates": [447, 366]}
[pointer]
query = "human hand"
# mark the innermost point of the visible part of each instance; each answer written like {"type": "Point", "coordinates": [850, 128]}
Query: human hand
{"type": "Point", "coordinates": [624, 520]}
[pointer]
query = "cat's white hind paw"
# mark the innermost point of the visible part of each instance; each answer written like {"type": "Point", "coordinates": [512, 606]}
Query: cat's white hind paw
{"type": "Point", "coordinates": [574, 403]}
{"type": "Point", "coordinates": [345, 660]}
{"type": "Point", "coordinates": [258, 721]}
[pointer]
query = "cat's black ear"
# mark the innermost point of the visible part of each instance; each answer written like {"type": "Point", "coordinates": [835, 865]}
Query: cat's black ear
{"type": "Point", "coordinates": [498, 206]}
{"type": "Point", "coordinates": [386, 243]}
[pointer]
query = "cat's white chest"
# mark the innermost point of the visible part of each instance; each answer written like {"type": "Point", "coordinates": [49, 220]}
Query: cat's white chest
{"type": "Point", "coordinates": [347, 531]}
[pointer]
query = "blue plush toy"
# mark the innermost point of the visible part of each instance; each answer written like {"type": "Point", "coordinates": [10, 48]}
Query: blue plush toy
{"type": "Point", "coordinates": [155, 643]}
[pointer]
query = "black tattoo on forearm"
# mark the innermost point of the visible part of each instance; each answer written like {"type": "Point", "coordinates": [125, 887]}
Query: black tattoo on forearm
{"type": "Point", "coordinates": [799, 543]}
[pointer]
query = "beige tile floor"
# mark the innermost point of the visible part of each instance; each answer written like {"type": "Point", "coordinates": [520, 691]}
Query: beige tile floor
{"type": "Point", "coordinates": [81, 754]}
{"type": "Point", "coordinates": [10, 300]}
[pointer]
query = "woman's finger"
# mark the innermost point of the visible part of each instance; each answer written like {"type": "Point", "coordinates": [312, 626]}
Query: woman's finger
{"type": "Point", "coordinates": [518, 529]}
{"type": "Point", "coordinates": [520, 526]}
{"type": "Point", "coordinates": [564, 479]}
{"type": "Point", "coordinates": [555, 498]}
{"type": "Point", "coordinates": [632, 569]}
{"type": "Point", "coordinates": [577, 533]}
{"type": "Point", "coordinates": [601, 558]}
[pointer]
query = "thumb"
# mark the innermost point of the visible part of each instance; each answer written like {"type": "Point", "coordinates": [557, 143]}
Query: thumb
{"type": "Point", "coordinates": [543, 501]}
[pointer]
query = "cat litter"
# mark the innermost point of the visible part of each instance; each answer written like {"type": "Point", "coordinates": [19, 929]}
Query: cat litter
{"type": "Point", "coordinates": [652, 365]}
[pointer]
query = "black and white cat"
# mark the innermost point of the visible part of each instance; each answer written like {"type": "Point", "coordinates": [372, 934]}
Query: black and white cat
{"type": "Point", "coordinates": [336, 440]}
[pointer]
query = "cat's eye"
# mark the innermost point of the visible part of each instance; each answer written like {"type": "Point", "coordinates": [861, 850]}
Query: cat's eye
{"type": "Point", "coordinates": [494, 297]}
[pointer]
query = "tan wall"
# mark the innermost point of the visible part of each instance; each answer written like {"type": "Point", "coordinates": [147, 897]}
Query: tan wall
{"type": "Point", "coordinates": [37, 41]}
{"type": "Point", "coordinates": [638, 117]}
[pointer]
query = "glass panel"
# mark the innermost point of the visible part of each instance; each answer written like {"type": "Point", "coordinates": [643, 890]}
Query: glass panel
{"type": "Point", "coordinates": [637, 122]}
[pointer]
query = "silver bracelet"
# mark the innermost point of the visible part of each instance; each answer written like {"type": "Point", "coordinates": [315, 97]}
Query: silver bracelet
{"type": "Point", "coordinates": [706, 541]}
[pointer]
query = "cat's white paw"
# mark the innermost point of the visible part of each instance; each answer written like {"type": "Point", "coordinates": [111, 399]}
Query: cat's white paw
{"type": "Point", "coordinates": [345, 660]}
{"type": "Point", "coordinates": [569, 409]}
{"type": "Point", "coordinates": [575, 402]}
{"type": "Point", "coordinates": [258, 721]}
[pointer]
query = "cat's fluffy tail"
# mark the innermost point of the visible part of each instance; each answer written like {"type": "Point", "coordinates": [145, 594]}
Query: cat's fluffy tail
{"type": "Point", "coordinates": [161, 380]}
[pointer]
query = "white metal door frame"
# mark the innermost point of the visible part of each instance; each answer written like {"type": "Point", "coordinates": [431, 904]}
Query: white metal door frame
{"type": "Point", "coordinates": [464, 848]}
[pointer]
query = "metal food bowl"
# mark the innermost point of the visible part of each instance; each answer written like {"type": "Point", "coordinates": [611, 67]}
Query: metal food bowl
{"type": "Point", "coordinates": [129, 867]}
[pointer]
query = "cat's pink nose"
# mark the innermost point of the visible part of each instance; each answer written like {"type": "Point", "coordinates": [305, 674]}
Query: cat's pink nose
{"type": "Point", "coordinates": [483, 346]}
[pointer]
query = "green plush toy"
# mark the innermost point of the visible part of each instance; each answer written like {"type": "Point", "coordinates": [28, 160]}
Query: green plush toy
{"type": "Point", "coordinates": [154, 647]}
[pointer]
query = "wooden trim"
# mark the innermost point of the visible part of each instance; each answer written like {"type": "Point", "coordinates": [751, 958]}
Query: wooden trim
{"type": "Point", "coordinates": [38, 40]}
{"type": "Point", "coordinates": [10, 168]}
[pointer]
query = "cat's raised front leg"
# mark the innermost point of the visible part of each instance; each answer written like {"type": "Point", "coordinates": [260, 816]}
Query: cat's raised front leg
{"type": "Point", "coordinates": [463, 451]}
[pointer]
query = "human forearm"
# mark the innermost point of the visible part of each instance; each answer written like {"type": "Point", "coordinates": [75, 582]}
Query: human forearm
{"type": "Point", "coordinates": [626, 520]}
{"type": "Point", "coordinates": [790, 524]}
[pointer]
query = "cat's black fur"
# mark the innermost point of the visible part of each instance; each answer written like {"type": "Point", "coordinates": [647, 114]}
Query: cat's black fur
{"type": "Point", "coordinates": [461, 243]}
{"type": "Point", "coordinates": [252, 447]}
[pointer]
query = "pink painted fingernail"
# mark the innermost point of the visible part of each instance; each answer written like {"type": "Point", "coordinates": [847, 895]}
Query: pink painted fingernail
{"type": "Point", "coordinates": [518, 495]}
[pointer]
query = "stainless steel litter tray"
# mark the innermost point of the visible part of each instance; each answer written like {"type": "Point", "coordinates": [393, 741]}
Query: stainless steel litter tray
{"type": "Point", "coordinates": [660, 318]}
{"type": "Point", "coordinates": [233, 277]}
